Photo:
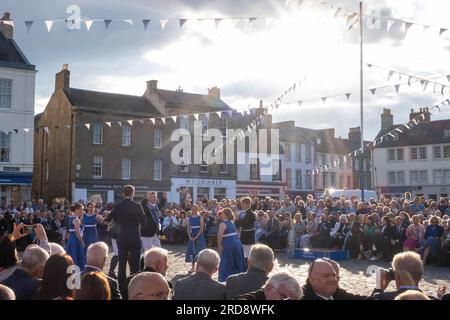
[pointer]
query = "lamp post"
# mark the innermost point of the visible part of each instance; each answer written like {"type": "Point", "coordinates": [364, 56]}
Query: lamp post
{"type": "Point", "coordinates": [361, 160]}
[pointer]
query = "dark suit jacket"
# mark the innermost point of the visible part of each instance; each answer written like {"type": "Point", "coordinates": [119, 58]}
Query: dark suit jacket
{"type": "Point", "coordinates": [378, 294]}
{"type": "Point", "coordinates": [242, 283]}
{"type": "Point", "coordinates": [255, 295]}
{"type": "Point", "coordinates": [128, 214]}
{"type": "Point", "coordinates": [247, 237]}
{"type": "Point", "coordinates": [152, 226]}
{"type": "Point", "coordinates": [446, 296]}
{"type": "Point", "coordinates": [340, 294]}
{"type": "Point", "coordinates": [23, 285]}
{"type": "Point", "coordinates": [199, 286]}
{"type": "Point", "coordinates": [113, 286]}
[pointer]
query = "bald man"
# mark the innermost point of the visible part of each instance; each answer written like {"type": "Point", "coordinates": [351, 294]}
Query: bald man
{"type": "Point", "coordinates": [6, 293]}
{"type": "Point", "coordinates": [148, 286]}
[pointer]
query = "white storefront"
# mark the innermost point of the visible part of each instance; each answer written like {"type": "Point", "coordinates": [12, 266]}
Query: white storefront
{"type": "Point", "coordinates": [197, 187]}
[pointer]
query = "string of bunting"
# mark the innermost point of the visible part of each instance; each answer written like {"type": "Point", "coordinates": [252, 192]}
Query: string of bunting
{"type": "Point", "coordinates": [353, 18]}
{"type": "Point", "coordinates": [385, 137]}
{"type": "Point", "coordinates": [162, 23]}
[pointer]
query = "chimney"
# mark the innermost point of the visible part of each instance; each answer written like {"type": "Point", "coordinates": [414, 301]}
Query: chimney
{"type": "Point", "coordinates": [214, 92]}
{"type": "Point", "coordinates": [328, 134]}
{"type": "Point", "coordinates": [354, 134]}
{"type": "Point", "coordinates": [6, 27]}
{"type": "Point", "coordinates": [424, 111]}
{"type": "Point", "coordinates": [62, 78]}
{"type": "Point", "coordinates": [387, 119]}
{"type": "Point", "coordinates": [152, 85]}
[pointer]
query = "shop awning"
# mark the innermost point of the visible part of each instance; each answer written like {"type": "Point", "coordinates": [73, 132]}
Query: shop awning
{"type": "Point", "coordinates": [15, 179]}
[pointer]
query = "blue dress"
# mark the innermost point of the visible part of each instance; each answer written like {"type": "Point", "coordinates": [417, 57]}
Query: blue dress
{"type": "Point", "coordinates": [90, 235]}
{"type": "Point", "coordinates": [74, 247]}
{"type": "Point", "coordinates": [194, 247]}
{"type": "Point", "coordinates": [232, 259]}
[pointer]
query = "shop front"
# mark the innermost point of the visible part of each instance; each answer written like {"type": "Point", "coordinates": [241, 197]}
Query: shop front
{"type": "Point", "coordinates": [15, 186]}
{"type": "Point", "coordinates": [196, 189]}
{"type": "Point", "coordinates": [273, 191]}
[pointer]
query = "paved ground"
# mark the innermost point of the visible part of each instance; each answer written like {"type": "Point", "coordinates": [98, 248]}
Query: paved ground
{"type": "Point", "coordinates": [355, 276]}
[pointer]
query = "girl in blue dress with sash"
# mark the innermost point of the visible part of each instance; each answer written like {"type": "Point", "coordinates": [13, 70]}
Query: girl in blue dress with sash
{"type": "Point", "coordinates": [90, 220]}
{"type": "Point", "coordinates": [75, 244]}
{"type": "Point", "coordinates": [196, 242]}
{"type": "Point", "coordinates": [232, 259]}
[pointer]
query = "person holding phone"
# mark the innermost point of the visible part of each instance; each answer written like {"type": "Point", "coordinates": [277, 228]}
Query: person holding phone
{"type": "Point", "coordinates": [75, 245]}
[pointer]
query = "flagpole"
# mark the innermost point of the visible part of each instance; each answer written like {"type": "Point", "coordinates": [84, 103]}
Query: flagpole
{"type": "Point", "coordinates": [361, 160]}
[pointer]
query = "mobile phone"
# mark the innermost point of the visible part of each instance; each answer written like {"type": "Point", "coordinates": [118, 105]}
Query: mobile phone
{"type": "Point", "coordinates": [29, 228]}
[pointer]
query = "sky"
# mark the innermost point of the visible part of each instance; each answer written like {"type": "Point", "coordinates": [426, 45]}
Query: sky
{"type": "Point", "coordinates": [248, 62]}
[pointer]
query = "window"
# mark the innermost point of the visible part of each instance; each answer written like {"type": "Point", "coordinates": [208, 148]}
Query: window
{"type": "Point", "coordinates": [276, 170]}
{"type": "Point", "coordinates": [46, 170]}
{"type": "Point", "coordinates": [349, 163]}
{"type": "Point", "coordinates": [97, 167]}
{"type": "Point", "coordinates": [289, 178]}
{"type": "Point", "coordinates": [437, 152]}
{"type": "Point", "coordinates": [298, 152]}
{"type": "Point", "coordinates": [341, 181]}
{"type": "Point", "coordinates": [399, 154]}
{"type": "Point", "coordinates": [423, 177]}
{"type": "Point", "coordinates": [391, 154]}
{"type": "Point", "coordinates": [126, 136]}
{"type": "Point", "coordinates": [400, 177]}
{"type": "Point", "coordinates": [5, 93]}
{"type": "Point", "coordinates": [341, 162]}
{"type": "Point", "coordinates": [183, 166]}
{"type": "Point", "coordinates": [5, 146]}
{"type": "Point", "coordinates": [97, 133]}
{"type": "Point", "coordinates": [298, 179]}
{"type": "Point", "coordinates": [316, 181]}
{"type": "Point", "coordinates": [446, 151]}
{"type": "Point", "coordinates": [447, 176]}
{"type": "Point", "coordinates": [324, 180]}
{"type": "Point", "coordinates": [414, 177]}
{"type": "Point", "coordinates": [158, 138]}
{"type": "Point", "coordinates": [308, 154]}
{"type": "Point", "coordinates": [414, 154]}
{"type": "Point", "coordinates": [223, 126]}
{"type": "Point", "coordinates": [308, 180]}
{"type": "Point", "coordinates": [157, 170]}
{"type": "Point", "coordinates": [316, 158]}
{"type": "Point", "coordinates": [324, 158]}
{"type": "Point", "coordinates": [204, 167]}
{"type": "Point", "coordinates": [447, 133]}
{"type": "Point", "coordinates": [437, 177]}
{"type": "Point", "coordinates": [287, 151]}
{"type": "Point", "coordinates": [333, 179]}
{"type": "Point", "coordinates": [184, 122]}
{"type": "Point", "coordinates": [391, 177]}
{"type": "Point", "coordinates": [205, 123]}
{"type": "Point", "coordinates": [254, 171]}
{"type": "Point", "coordinates": [423, 153]}
{"type": "Point", "coordinates": [126, 165]}
{"type": "Point", "coordinates": [349, 181]}
{"type": "Point", "coordinates": [224, 168]}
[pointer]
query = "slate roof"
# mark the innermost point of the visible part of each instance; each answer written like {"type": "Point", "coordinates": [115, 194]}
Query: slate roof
{"type": "Point", "coordinates": [11, 56]}
{"type": "Point", "coordinates": [197, 102]}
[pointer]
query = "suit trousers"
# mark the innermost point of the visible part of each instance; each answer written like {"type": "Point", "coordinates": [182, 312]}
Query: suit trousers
{"type": "Point", "coordinates": [130, 252]}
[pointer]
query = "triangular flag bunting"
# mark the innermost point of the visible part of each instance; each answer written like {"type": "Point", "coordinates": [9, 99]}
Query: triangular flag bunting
{"type": "Point", "coordinates": [49, 24]}
{"type": "Point", "coordinates": [174, 118]}
{"type": "Point", "coordinates": [251, 20]}
{"type": "Point", "coordinates": [448, 78]}
{"type": "Point", "coordinates": [107, 23]}
{"type": "Point", "coordinates": [409, 81]}
{"type": "Point", "coordinates": [389, 24]}
{"type": "Point", "coordinates": [26, 130]}
{"type": "Point", "coordinates": [425, 28]}
{"type": "Point", "coordinates": [152, 120]}
{"type": "Point", "coordinates": [119, 123]}
{"type": "Point", "coordinates": [442, 90]}
{"type": "Point", "coordinates": [300, 103]}
{"type": "Point", "coordinates": [217, 21]}
{"type": "Point", "coordinates": [324, 99]}
{"type": "Point", "coordinates": [407, 26]}
{"type": "Point", "coordinates": [163, 23]}
{"type": "Point", "coordinates": [88, 126]}
{"type": "Point", "coordinates": [28, 24]}
{"type": "Point", "coordinates": [426, 85]}
{"type": "Point", "coordinates": [219, 114]}
{"type": "Point", "coordinates": [89, 24]}
{"type": "Point", "coordinates": [348, 95]}
{"type": "Point", "coordinates": [373, 91]}
{"type": "Point", "coordinates": [108, 124]}
{"type": "Point", "coordinates": [397, 87]}
{"type": "Point", "coordinates": [163, 120]}
{"type": "Point", "coordinates": [129, 21]}
{"type": "Point", "coordinates": [182, 22]}
{"type": "Point", "coordinates": [130, 122]}
{"type": "Point", "coordinates": [441, 31]}
{"type": "Point", "coordinates": [337, 12]}
{"type": "Point", "coordinates": [146, 22]}
{"type": "Point", "coordinates": [391, 73]}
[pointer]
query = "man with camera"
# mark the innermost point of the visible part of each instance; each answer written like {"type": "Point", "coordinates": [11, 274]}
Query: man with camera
{"type": "Point", "coordinates": [407, 272]}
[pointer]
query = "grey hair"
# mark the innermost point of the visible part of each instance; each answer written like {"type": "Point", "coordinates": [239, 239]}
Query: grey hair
{"type": "Point", "coordinates": [96, 253]}
{"type": "Point", "coordinates": [408, 266]}
{"type": "Point", "coordinates": [150, 254]}
{"type": "Point", "coordinates": [261, 256]}
{"type": "Point", "coordinates": [208, 260]}
{"type": "Point", "coordinates": [56, 248]}
{"type": "Point", "coordinates": [34, 257]}
{"type": "Point", "coordinates": [291, 283]}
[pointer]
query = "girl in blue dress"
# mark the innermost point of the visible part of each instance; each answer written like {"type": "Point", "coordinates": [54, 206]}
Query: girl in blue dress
{"type": "Point", "coordinates": [75, 244]}
{"type": "Point", "coordinates": [90, 220]}
{"type": "Point", "coordinates": [232, 259]}
{"type": "Point", "coordinates": [196, 242]}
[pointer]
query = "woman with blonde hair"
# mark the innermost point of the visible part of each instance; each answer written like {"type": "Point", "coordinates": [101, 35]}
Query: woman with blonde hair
{"type": "Point", "coordinates": [414, 234]}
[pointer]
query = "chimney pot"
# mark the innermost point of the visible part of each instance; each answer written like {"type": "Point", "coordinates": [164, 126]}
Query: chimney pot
{"type": "Point", "coordinates": [6, 28]}
{"type": "Point", "coordinates": [62, 78]}
{"type": "Point", "coordinates": [152, 85]}
{"type": "Point", "coordinates": [214, 92]}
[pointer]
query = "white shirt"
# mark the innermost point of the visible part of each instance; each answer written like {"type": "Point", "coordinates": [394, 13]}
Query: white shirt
{"type": "Point", "coordinates": [325, 298]}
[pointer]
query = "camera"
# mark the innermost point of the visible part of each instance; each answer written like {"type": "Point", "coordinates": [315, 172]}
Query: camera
{"type": "Point", "coordinates": [388, 274]}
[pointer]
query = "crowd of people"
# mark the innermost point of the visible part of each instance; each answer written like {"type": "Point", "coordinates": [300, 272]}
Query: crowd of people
{"type": "Point", "coordinates": [411, 232]}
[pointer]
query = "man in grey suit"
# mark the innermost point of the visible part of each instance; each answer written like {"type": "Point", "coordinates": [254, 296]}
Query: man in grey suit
{"type": "Point", "coordinates": [260, 264]}
{"type": "Point", "coordinates": [200, 286]}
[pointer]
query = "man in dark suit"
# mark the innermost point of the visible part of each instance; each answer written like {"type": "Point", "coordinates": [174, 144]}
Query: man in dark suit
{"type": "Point", "coordinates": [200, 285]}
{"type": "Point", "coordinates": [246, 224]}
{"type": "Point", "coordinates": [273, 233]}
{"type": "Point", "coordinates": [95, 262]}
{"type": "Point", "coordinates": [323, 282]}
{"type": "Point", "coordinates": [260, 264]}
{"type": "Point", "coordinates": [128, 215]}
{"type": "Point", "coordinates": [150, 231]}
{"type": "Point", "coordinates": [408, 272]}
